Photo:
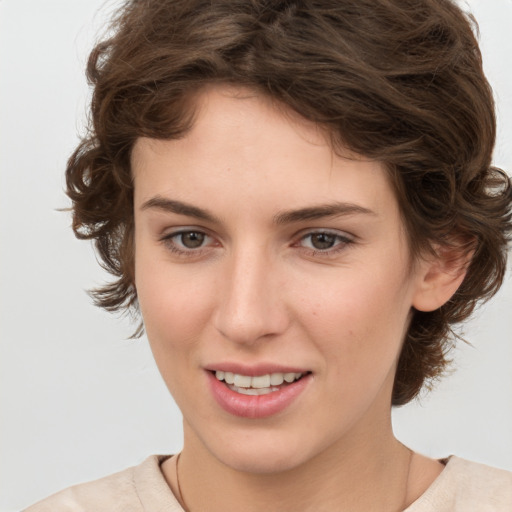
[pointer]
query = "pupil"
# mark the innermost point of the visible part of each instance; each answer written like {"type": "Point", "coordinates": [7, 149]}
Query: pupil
{"type": "Point", "coordinates": [192, 239]}
{"type": "Point", "coordinates": [323, 240]}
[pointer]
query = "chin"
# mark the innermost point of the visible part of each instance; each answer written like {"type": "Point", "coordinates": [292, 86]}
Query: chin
{"type": "Point", "coordinates": [261, 462]}
{"type": "Point", "coordinates": [260, 454]}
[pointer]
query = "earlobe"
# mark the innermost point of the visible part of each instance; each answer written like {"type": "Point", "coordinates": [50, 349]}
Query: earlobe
{"type": "Point", "coordinates": [439, 278]}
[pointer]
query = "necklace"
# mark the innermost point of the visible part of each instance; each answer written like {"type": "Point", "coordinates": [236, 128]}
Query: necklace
{"type": "Point", "coordinates": [402, 508]}
{"type": "Point", "coordinates": [180, 495]}
{"type": "Point", "coordinates": [404, 502]}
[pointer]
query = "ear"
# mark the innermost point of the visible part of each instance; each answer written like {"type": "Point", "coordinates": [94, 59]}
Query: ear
{"type": "Point", "coordinates": [439, 277]}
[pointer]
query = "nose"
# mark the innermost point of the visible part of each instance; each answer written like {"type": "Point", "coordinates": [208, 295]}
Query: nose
{"type": "Point", "coordinates": [250, 301]}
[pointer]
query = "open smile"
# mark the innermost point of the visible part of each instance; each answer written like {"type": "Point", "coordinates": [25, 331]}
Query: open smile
{"type": "Point", "coordinates": [256, 396]}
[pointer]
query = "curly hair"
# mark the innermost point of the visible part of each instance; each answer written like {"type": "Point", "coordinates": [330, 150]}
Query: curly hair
{"type": "Point", "coordinates": [399, 81]}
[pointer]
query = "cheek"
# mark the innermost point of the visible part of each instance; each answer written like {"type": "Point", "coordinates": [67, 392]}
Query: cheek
{"type": "Point", "coordinates": [359, 317]}
{"type": "Point", "coordinates": [174, 306]}
{"type": "Point", "coordinates": [175, 310]}
{"type": "Point", "coordinates": [358, 327]}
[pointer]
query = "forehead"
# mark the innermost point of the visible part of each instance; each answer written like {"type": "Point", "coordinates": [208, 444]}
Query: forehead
{"type": "Point", "coordinates": [244, 142]}
{"type": "Point", "coordinates": [227, 117]}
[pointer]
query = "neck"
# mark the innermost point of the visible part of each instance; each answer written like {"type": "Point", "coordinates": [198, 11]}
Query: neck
{"type": "Point", "coordinates": [339, 478]}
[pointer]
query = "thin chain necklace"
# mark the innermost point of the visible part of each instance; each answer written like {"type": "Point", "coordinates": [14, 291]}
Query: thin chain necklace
{"type": "Point", "coordinates": [182, 501]}
{"type": "Point", "coordinates": [404, 503]}
{"type": "Point", "coordinates": [402, 508]}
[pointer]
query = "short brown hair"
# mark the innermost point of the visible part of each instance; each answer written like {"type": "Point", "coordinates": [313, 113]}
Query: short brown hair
{"type": "Point", "coordinates": [399, 81]}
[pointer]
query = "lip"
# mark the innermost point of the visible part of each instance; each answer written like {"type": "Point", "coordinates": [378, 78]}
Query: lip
{"type": "Point", "coordinates": [259, 406]}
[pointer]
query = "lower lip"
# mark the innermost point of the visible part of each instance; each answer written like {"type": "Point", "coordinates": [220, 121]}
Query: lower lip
{"type": "Point", "coordinates": [259, 406]}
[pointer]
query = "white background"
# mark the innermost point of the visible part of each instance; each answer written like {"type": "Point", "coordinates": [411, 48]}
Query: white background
{"type": "Point", "coordinates": [78, 401]}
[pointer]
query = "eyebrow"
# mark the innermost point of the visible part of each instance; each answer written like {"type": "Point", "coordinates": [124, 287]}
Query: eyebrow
{"type": "Point", "coordinates": [285, 217]}
{"type": "Point", "coordinates": [178, 207]}
{"type": "Point", "coordinates": [337, 209]}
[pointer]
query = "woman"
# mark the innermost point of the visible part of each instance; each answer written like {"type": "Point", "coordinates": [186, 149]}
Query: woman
{"type": "Point", "coordinates": [298, 197]}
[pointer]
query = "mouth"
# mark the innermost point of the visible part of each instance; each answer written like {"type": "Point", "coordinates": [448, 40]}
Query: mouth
{"type": "Point", "coordinates": [258, 395]}
{"type": "Point", "coordinates": [259, 384]}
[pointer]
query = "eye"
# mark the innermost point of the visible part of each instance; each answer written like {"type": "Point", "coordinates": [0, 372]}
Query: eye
{"type": "Point", "coordinates": [325, 242]}
{"type": "Point", "coordinates": [187, 241]}
{"type": "Point", "coordinates": [322, 241]}
{"type": "Point", "coordinates": [190, 239]}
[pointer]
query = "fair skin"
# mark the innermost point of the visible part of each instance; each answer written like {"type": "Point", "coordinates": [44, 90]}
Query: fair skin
{"type": "Point", "coordinates": [258, 249]}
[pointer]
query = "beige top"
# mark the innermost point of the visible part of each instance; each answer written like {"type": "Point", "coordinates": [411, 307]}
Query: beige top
{"type": "Point", "coordinates": [462, 486]}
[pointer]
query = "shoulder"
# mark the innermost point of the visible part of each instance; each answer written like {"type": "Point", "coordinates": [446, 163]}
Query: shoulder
{"type": "Point", "coordinates": [466, 487]}
{"type": "Point", "coordinates": [115, 492]}
{"type": "Point", "coordinates": [132, 490]}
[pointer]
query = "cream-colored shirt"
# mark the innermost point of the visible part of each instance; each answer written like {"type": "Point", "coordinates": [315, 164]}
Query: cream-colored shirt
{"type": "Point", "coordinates": [462, 486]}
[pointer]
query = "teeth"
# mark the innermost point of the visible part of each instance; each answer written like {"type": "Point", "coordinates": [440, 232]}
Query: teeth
{"type": "Point", "coordinates": [242, 381]}
{"type": "Point", "coordinates": [276, 379]}
{"type": "Point", "coordinates": [253, 391]}
{"type": "Point", "coordinates": [261, 383]}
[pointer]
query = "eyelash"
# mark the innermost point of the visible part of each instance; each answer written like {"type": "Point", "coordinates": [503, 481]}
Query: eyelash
{"type": "Point", "coordinates": [341, 242]}
{"type": "Point", "coordinates": [169, 243]}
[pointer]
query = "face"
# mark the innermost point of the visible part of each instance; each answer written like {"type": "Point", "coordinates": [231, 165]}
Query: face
{"type": "Point", "coordinates": [262, 257]}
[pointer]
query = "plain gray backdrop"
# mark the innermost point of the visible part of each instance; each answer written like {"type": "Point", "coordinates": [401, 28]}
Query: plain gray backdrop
{"type": "Point", "coordinates": [78, 400]}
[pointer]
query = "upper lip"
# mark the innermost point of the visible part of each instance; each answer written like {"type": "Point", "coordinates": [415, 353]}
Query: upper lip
{"type": "Point", "coordinates": [254, 369]}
